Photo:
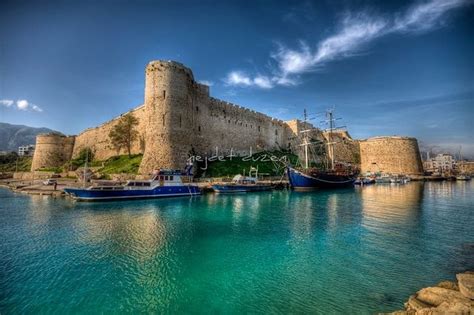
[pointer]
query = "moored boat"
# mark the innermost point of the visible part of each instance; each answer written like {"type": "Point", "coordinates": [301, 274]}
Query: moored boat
{"type": "Point", "coordinates": [241, 184]}
{"type": "Point", "coordinates": [463, 177]}
{"type": "Point", "coordinates": [364, 181]}
{"type": "Point", "coordinates": [165, 183]}
{"type": "Point", "coordinates": [335, 175]}
{"type": "Point", "coordinates": [307, 180]}
{"type": "Point", "coordinates": [383, 179]}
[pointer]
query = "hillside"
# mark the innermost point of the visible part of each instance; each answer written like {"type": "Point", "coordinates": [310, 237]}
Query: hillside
{"type": "Point", "coordinates": [13, 136]}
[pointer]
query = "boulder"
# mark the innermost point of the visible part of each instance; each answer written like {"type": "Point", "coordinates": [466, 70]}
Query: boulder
{"type": "Point", "coordinates": [415, 304]}
{"type": "Point", "coordinates": [435, 296]}
{"type": "Point", "coordinates": [466, 284]}
{"type": "Point", "coordinates": [454, 308]}
{"type": "Point", "coordinates": [448, 285]}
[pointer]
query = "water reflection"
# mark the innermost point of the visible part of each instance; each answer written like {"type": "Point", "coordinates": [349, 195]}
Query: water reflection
{"type": "Point", "coordinates": [346, 251]}
{"type": "Point", "coordinates": [391, 204]}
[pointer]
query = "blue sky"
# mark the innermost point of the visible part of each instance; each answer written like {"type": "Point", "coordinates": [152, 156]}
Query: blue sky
{"type": "Point", "coordinates": [388, 67]}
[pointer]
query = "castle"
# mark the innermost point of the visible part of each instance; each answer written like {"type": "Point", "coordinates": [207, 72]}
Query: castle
{"type": "Point", "coordinates": [179, 117]}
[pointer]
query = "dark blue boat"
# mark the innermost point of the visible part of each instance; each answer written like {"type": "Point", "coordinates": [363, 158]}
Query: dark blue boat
{"type": "Point", "coordinates": [302, 181]}
{"type": "Point", "coordinates": [165, 183]}
{"type": "Point", "coordinates": [336, 175]}
{"type": "Point", "coordinates": [241, 184]}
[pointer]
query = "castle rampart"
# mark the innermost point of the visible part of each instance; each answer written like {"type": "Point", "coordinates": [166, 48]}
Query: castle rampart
{"type": "Point", "coordinates": [179, 118]}
{"type": "Point", "coordinates": [97, 139]}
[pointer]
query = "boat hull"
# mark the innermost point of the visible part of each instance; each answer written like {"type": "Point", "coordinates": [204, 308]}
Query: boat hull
{"type": "Point", "coordinates": [303, 182]}
{"type": "Point", "coordinates": [157, 192]}
{"type": "Point", "coordinates": [232, 189]}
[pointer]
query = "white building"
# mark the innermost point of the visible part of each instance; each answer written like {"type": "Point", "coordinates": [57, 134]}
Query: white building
{"type": "Point", "coordinates": [441, 163]}
{"type": "Point", "coordinates": [26, 150]}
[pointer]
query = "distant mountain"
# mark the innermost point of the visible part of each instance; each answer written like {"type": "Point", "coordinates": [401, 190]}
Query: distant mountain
{"type": "Point", "coordinates": [13, 136]}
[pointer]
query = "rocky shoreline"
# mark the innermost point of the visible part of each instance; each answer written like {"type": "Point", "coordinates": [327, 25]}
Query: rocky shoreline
{"type": "Point", "coordinates": [446, 297]}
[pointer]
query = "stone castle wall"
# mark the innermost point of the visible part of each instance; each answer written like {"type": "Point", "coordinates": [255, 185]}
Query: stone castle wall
{"type": "Point", "coordinates": [346, 149]}
{"type": "Point", "coordinates": [179, 118]}
{"type": "Point", "coordinates": [97, 139]}
{"type": "Point", "coordinates": [395, 155]}
{"type": "Point", "coordinates": [183, 120]}
{"type": "Point", "coordinates": [52, 150]}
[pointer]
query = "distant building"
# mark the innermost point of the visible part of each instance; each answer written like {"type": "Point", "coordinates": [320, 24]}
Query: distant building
{"type": "Point", "coordinates": [26, 150]}
{"type": "Point", "coordinates": [466, 167]}
{"type": "Point", "coordinates": [441, 163]}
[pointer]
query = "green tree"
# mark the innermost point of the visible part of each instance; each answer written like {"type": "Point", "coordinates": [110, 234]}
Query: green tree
{"type": "Point", "coordinates": [84, 154]}
{"type": "Point", "coordinates": [124, 133]}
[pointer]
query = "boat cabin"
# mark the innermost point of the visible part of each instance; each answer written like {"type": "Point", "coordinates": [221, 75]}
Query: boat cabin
{"type": "Point", "coordinates": [244, 180]}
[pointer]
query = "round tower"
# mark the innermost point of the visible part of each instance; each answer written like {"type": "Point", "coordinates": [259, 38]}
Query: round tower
{"type": "Point", "coordinates": [52, 150]}
{"type": "Point", "coordinates": [170, 115]}
{"type": "Point", "coordinates": [395, 155]}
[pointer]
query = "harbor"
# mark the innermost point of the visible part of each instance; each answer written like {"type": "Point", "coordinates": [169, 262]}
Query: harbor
{"type": "Point", "coordinates": [356, 250]}
{"type": "Point", "coordinates": [237, 157]}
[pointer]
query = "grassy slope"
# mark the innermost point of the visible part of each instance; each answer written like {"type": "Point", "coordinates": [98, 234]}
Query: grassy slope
{"type": "Point", "coordinates": [24, 165]}
{"type": "Point", "coordinates": [120, 164]}
{"type": "Point", "coordinates": [238, 164]}
{"type": "Point", "coordinates": [124, 164]}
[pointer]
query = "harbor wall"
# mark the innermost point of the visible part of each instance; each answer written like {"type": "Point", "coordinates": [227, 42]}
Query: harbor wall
{"type": "Point", "coordinates": [391, 155]}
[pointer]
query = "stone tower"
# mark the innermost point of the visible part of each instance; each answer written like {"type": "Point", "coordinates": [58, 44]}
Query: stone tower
{"type": "Point", "coordinates": [52, 150]}
{"type": "Point", "coordinates": [396, 155]}
{"type": "Point", "coordinates": [169, 116]}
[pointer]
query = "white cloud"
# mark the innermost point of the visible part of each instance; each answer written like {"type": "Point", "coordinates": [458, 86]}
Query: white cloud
{"type": "Point", "coordinates": [355, 31]}
{"type": "Point", "coordinates": [425, 16]}
{"type": "Point", "coordinates": [36, 108]}
{"type": "Point", "coordinates": [263, 82]}
{"type": "Point", "coordinates": [206, 82]}
{"type": "Point", "coordinates": [238, 78]}
{"type": "Point", "coordinates": [22, 104]}
{"type": "Point", "coordinates": [6, 103]}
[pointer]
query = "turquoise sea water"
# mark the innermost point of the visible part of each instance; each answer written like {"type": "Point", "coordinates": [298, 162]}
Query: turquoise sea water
{"type": "Point", "coordinates": [352, 251]}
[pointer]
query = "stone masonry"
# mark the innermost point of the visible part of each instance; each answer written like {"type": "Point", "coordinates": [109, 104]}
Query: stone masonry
{"type": "Point", "coordinates": [180, 118]}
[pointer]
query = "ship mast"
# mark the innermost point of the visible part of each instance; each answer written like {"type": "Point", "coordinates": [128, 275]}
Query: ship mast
{"type": "Point", "coordinates": [330, 143]}
{"type": "Point", "coordinates": [305, 141]}
{"type": "Point", "coordinates": [85, 167]}
{"type": "Point", "coordinates": [332, 126]}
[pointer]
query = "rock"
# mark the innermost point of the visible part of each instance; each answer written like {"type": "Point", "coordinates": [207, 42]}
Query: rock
{"type": "Point", "coordinates": [435, 296]}
{"type": "Point", "coordinates": [447, 308]}
{"type": "Point", "coordinates": [415, 304]}
{"type": "Point", "coordinates": [466, 284]}
{"type": "Point", "coordinates": [400, 313]}
{"type": "Point", "coordinates": [448, 285]}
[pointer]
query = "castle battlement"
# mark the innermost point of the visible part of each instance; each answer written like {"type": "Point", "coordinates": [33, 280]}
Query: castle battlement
{"type": "Point", "coordinates": [178, 117]}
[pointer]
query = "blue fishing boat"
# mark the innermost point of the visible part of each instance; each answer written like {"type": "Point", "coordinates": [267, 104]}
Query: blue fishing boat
{"type": "Point", "coordinates": [241, 184]}
{"type": "Point", "coordinates": [164, 183]}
